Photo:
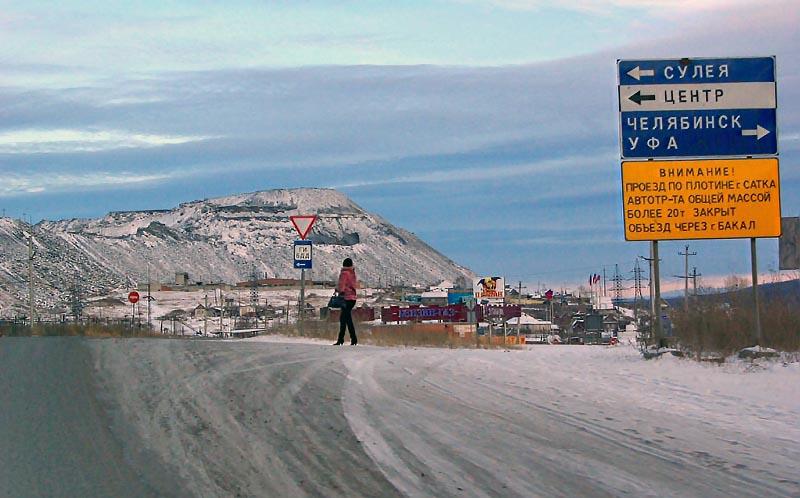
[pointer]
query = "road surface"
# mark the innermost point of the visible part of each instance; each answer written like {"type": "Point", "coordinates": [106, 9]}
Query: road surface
{"type": "Point", "coordinates": [139, 417]}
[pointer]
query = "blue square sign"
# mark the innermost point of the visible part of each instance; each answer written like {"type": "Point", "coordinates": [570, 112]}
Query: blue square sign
{"type": "Point", "coordinates": [302, 254]}
{"type": "Point", "coordinates": [677, 108]}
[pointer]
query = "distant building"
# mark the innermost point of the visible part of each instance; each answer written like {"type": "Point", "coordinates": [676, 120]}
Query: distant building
{"type": "Point", "coordinates": [530, 325]}
{"type": "Point", "coordinates": [283, 282]}
{"type": "Point", "coordinates": [458, 296]}
{"type": "Point", "coordinates": [203, 312]}
{"type": "Point", "coordinates": [231, 307]}
{"type": "Point", "coordinates": [444, 285]}
{"type": "Point", "coordinates": [434, 298]}
{"type": "Point", "coordinates": [181, 278]}
{"type": "Point", "coordinates": [248, 310]}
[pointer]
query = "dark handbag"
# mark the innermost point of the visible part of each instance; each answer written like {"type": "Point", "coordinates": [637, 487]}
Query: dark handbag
{"type": "Point", "coordinates": [336, 301]}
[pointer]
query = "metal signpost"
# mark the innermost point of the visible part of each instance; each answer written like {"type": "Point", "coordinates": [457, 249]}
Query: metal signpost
{"type": "Point", "coordinates": [470, 303]}
{"type": "Point", "coordinates": [133, 298]}
{"type": "Point", "coordinates": [302, 256]}
{"type": "Point", "coordinates": [689, 129]}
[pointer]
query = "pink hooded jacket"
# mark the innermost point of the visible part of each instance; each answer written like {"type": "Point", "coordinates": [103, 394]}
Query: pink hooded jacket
{"type": "Point", "coordinates": [347, 283]}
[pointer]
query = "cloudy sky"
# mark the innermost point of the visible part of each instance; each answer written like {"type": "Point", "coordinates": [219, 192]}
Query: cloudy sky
{"type": "Point", "coordinates": [487, 127]}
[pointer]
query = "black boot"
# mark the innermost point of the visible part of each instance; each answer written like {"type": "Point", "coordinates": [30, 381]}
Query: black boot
{"type": "Point", "coordinates": [338, 343]}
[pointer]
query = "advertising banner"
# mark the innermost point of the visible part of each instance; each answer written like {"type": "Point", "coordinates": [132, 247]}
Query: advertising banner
{"type": "Point", "coordinates": [452, 313]}
{"type": "Point", "coordinates": [489, 288]}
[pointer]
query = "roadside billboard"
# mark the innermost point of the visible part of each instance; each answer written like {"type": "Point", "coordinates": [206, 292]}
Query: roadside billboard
{"type": "Point", "coordinates": [489, 288]}
{"type": "Point", "coordinates": [452, 313]}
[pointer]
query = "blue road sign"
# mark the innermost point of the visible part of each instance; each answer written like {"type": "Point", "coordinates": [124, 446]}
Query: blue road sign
{"type": "Point", "coordinates": [697, 108]}
{"type": "Point", "coordinates": [303, 254]}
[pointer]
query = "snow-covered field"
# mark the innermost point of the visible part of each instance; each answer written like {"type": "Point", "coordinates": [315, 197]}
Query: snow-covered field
{"type": "Point", "coordinates": [297, 417]}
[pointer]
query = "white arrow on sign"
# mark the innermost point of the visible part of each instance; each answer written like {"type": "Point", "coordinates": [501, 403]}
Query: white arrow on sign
{"type": "Point", "coordinates": [637, 73]}
{"type": "Point", "coordinates": [760, 132]}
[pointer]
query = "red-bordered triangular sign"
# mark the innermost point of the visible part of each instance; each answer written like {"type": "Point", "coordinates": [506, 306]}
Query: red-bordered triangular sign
{"type": "Point", "coordinates": [303, 224]}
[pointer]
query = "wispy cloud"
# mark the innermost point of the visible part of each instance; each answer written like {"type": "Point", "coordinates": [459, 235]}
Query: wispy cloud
{"type": "Point", "coordinates": [14, 184]}
{"type": "Point", "coordinates": [475, 174]}
{"type": "Point", "coordinates": [38, 141]}
{"type": "Point", "coordinates": [656, 7]}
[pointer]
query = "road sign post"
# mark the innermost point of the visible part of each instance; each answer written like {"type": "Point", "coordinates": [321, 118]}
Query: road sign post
{"type": "Point", "coordinates": [302, 257]}
{"type": "Point", "coordinates": [133, 298]}
{"type": "Point", "coordinates": [303, 251]}
{"type": "Point", "coordinates": [756, 311]}
{"type": "Point", "coordinates": [697, 128]}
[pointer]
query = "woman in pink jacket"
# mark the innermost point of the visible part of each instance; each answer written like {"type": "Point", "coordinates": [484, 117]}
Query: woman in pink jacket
{"type": "Point", "coordinates": [347, 289]}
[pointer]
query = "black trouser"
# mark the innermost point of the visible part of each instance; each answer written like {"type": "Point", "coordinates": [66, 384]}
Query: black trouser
{"type": "Point", "coordinates": [346, 320]}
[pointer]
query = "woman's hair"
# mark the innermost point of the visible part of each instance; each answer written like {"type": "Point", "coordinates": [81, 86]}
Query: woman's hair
{"type": "Point", "coordinates": [347, 263]}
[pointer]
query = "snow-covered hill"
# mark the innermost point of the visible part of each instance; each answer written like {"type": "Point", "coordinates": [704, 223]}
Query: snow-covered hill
{"type": "Point", "coordinates": [215, 240]}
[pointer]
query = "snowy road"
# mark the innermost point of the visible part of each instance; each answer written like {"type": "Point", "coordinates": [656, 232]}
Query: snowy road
{"type": "Point", "coordinates": [300, 419]}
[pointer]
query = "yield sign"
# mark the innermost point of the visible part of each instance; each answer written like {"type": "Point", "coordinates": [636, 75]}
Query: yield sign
{"type": "Point", "coordinates": [303, 224]}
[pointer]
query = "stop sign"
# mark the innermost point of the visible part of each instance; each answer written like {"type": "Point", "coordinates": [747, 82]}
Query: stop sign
{"type": "Point", "coordinates": [133, 297]}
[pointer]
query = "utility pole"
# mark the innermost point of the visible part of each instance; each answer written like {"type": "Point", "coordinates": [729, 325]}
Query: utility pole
{"type": "Point", "coordinates": [604, 281]}
{"type": "Point", "coordinates": [650, 286]}
{"type": "Point", "coordinates": [205, 317]}
{"type": "Point", "coordinates": [637, 285]}
{"type": "Point", "coordinates": [254, 294]}
{"type": "Point", "coordinates": [31, 254]}
{"type": "Point", "coordinates": [149, 322]}
{"type": "Point", "coordinates": [617, 286]}
{"type": "Point", "coordinates": [221, 310]}
{"type": "Point", "coordinates": [694, 280]}
{"type": "Point", "coordinates": [685, 276]}
{"type": "Point", "coordinates": [519, 302]}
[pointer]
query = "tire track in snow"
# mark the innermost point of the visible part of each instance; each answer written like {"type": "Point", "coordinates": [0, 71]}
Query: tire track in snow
{"type": "Point", "coordinates": [484, 422]}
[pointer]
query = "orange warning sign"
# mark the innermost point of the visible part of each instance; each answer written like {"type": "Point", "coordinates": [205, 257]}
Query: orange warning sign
{"type": "Point", "coordinates": [701, 199]}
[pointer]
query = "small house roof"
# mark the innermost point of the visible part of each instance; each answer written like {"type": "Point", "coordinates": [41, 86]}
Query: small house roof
{"type": "Point", "coordinates": [434, 294]}
{"type": "Point", "coordinates": [526, 319]}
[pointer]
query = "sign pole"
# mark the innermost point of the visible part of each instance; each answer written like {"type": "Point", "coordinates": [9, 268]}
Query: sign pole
{"type": "Point", "coordinates": [149, 321]}
{"type": "Point", "coordinates": [302, 260]}
{"type": "Point", "coordinates": [657, 296]}
{"type": "Point", "coordinates": [302, 297]}
{"type": "Point", "coordinates": [756, 311]}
